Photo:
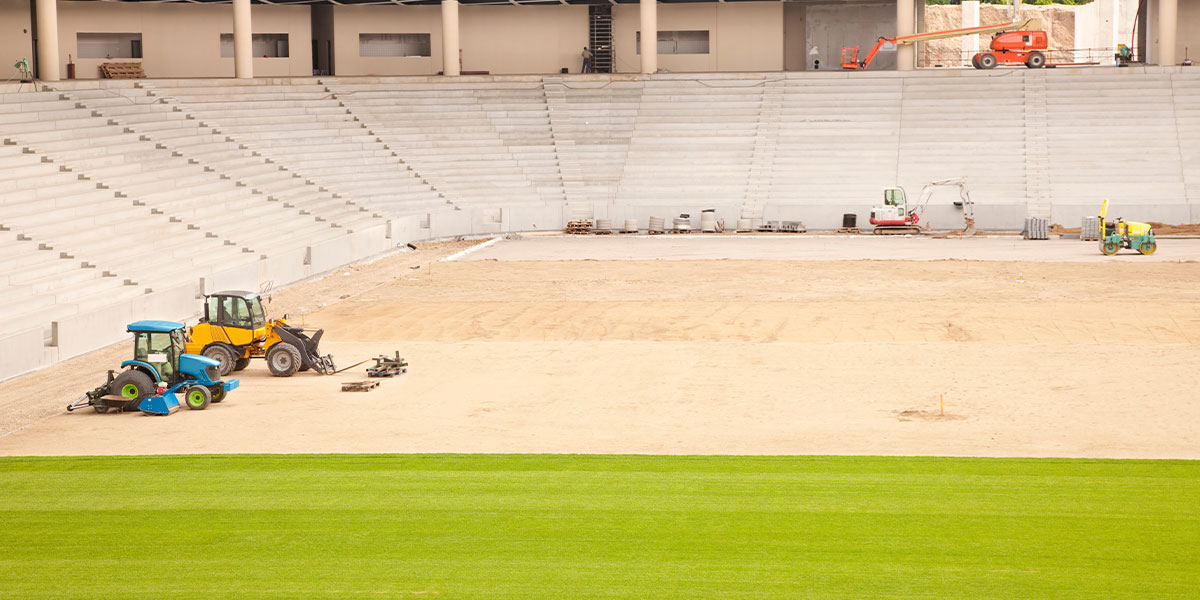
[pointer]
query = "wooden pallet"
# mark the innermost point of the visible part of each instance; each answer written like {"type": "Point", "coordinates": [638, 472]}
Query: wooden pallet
{"type": "Point", "coordinates": [359, 386]}
{"type": "Point", "coordinates": [849, 230]}
{"type": "Point", "coordinates": [122, 71]}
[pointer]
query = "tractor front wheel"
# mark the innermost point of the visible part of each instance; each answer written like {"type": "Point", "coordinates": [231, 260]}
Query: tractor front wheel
{"type": "Point", "coordinates": [197, 397]}
{"type": "Point", "coordinates": [987, 60]}
{"type": "Point", "coordinates": [1148, 247]}
{"type": "Point", "coordinates": [1110, 247]}
{"type": "Point", "coordinates": [1035, 60]}
{"type": "Point", "coordinates": [283, 359]}
{"type": "Point", "coordinates": [222, 355]}
{"type": "Point", "coordinates": [217, 392]}
{"type": "Point", "coordinates": [133, 385]}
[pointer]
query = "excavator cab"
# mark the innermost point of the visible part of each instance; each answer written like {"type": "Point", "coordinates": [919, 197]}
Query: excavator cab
{"type": "Point", "coordinates": [894, 211]}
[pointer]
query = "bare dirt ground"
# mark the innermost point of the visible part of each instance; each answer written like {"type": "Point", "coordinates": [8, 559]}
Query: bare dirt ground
{"type": "Point", "coordinates": [795, 356]}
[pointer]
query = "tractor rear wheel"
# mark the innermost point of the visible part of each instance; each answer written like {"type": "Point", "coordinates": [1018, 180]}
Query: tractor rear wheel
{"type": "Point", "coordinates": [987, 60]}
{"type": "Point", "coordinates": [132, 385]}
{"type": "Point", "coordinates": [283, 359]}
{"type": "Point", "coordinates": [1148, 247]}
{"type": "Point", "coordinates": [1035, 60]}
{"type": "Point", "coordinates": [197, 397]}
{"type": "Point", "coordinates": [223, 355]}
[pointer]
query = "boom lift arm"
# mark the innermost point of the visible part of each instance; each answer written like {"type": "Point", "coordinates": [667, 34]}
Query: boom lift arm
{"type": "Point", "coordinates": [850, 59]}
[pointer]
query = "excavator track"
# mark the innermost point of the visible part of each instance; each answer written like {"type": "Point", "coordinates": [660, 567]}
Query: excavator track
{"type": "Point", "coordinates": [896, 230]}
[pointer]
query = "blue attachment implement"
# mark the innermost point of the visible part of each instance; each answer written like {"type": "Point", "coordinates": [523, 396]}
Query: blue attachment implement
{"type": "Point", "coordinates": [232, 384]}
{"type": "Point", "coordinates": [165, 403]}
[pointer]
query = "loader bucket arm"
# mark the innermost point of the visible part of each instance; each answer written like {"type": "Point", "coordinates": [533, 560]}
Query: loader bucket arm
{"type": "Point", "coordinates": [307, 346]}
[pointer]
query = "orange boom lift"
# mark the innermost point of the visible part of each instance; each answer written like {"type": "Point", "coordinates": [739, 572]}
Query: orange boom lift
{"type": "Point", "coordinates": [1014, 43]}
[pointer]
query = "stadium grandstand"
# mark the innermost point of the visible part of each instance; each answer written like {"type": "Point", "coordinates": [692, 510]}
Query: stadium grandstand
{"type": "Point", "coordinates": [155, 151]}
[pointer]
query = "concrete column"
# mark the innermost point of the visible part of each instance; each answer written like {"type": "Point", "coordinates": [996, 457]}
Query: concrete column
{"type": "Point", "coordinates": [906, 24]}
{"type": "Point", "coordinates": [450, 58]}
{"type": "Point", "coordinates": [649, 35]}
{"type": "Point", "coordinates": [1168, 25]}
{"type": "Point", "coordinates": [243, 47]}
{"type": "Point", "coordinates": [970, 18]}
{"type": "Point", "coordinates": [47, 43]}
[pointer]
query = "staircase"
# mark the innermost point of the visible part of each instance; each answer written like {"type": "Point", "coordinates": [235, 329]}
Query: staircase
{"type": "Point", "coordinates": [601, 37]}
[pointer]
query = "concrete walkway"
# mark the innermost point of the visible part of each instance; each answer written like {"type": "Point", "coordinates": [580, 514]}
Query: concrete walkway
{"type": "Point", "coordinates": [809, 247]}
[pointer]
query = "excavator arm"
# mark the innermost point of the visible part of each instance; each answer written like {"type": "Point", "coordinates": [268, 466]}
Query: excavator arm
{"type": "Point", "coordinates": [968, 205]}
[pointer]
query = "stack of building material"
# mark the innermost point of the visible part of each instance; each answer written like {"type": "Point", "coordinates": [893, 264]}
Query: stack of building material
{"type": "Point", "coordinates": [1036, 228]}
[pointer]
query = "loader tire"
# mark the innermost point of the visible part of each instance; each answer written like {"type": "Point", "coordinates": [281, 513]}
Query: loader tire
{"type": "Point", "coordinates": [241, 364]}
{"type": "Point", "coordinates": [134, 385]}
{"type": "Point", "coordinates": [197, 397]}
{"type": "Point", "coordinates": [283, 359]}
{"type": "Point", "coordinates": [223, 355]}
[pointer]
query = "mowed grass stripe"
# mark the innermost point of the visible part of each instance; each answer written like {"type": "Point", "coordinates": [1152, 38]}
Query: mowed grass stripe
{"type": "Point", "coordinates": [519, 526]}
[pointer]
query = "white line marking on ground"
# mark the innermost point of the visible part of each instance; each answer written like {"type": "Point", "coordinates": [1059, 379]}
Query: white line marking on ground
{"type": "Point", "coordinates": [458, 255]}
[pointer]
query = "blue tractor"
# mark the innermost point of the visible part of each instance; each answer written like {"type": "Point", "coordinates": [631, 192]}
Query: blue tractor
{"type": "Point", "coordinates": [160, 368]}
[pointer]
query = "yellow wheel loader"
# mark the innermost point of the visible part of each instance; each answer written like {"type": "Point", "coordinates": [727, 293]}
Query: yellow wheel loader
{"type": "Point", "coordinates": [235, 329]}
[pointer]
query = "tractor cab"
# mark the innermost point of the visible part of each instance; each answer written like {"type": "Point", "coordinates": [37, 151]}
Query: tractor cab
{"type": "Point", "coordinates": [159, 344]}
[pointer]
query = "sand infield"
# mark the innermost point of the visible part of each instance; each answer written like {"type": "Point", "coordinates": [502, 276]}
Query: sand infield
{"type": "Point", "coordinates": [532, 345]}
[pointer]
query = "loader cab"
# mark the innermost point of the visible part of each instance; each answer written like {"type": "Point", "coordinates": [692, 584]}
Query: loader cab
{"type": "Point", "coordinates": [239, 314]}
{"type": "Point", "coordinates": [159, 344]}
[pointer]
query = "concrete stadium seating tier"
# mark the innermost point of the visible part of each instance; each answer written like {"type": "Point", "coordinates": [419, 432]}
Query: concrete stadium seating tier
{"type": "Point", "coordinates": [125, 199]}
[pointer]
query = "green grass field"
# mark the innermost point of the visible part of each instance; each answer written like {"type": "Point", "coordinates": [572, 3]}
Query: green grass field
{"type": "Point", "coordinates": [487, 526]}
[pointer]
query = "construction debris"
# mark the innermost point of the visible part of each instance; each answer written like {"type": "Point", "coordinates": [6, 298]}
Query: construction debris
{"type": "Point", "coordinates": [130, 70]}
{"type": "Point", "coordinates": [854, 230]}
{"type": "Point", "coordinates": [793, 227]}
{"type": "Point", "coordinates": [359, 386]}
{"type": "Point", "coordinates": [387, 366]}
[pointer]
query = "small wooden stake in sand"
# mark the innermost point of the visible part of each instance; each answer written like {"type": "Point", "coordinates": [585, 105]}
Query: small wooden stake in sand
{"type": "Point", "coordinates": [941, 405]}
